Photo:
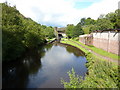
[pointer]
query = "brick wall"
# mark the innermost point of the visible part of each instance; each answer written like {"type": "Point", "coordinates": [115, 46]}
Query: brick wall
{"type": "Point", "coordinates": [86, 39]}
{"type": "Point", "coordinates": [108, 41]}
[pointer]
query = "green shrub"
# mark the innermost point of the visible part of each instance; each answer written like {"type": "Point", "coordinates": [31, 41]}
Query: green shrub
{"type": "Point", "coordinates": [101, 74]}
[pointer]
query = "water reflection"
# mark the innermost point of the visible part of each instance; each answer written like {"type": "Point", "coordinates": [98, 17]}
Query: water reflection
{"type": "Point", "coordinates": [15, 74]}
{"type": "Point", "coordinates": [73, 50]}
{"type": "Point", "coordinates": [43, 67]}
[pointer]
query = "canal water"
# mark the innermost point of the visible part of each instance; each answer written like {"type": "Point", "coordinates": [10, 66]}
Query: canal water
{"type": "Point", "coordinates": [44, 67]}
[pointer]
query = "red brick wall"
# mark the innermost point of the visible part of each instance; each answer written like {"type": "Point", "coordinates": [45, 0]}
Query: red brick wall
{"type": "Point", "coordinates": [86, 40]}
{"type": "Point", "coordinates": [82, 39]}
{"type": "Point", "coordinates": [104, 44]}
{"type": "Point", "coordinates": [114, 47]}
{"type": "Point", "coordinates": [107, 41]}
{"type": "Point", "coordinates": [96, 42]}
{"type": "Point", "coordinates": [107, 45]}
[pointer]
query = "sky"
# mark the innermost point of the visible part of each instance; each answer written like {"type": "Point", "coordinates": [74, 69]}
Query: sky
{"type": "Point", "coordinates": [62, 12]}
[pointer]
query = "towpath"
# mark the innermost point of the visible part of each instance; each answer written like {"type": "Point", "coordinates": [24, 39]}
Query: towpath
{"type": "Point", "coordinates": [101, 56]}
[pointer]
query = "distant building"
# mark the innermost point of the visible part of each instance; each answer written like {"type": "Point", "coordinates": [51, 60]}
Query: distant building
{"type": "Point", "coordinates": [59, 32]}
{"type": "Point", "coordinates": [108, 40]}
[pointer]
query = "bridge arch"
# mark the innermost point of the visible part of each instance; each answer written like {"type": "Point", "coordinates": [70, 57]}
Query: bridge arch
{"type": "Point", "coordinates": [59, 33]}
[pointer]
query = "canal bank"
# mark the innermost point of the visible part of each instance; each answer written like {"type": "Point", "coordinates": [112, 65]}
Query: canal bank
{"type": "Point", "coordinates": [103, 55]}
{"type": "Point", "coordinates": [101, 73]}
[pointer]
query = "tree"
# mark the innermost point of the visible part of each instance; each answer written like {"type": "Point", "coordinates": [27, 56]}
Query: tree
{"type": "Point", "coordinates": [117, 24]}
{"type": "Point", "coordinates": [93, 28]}
{"type": "Point", "coordinates": [50, 32]}
{"type": "Point", "coordinates": [82, 21]}
{"type": "Point", "coordinates": [101, 16]}
{"type": "Point", "coordinates": [69, 30]}
{"type": "Point", "coordinates": [77, 30]}
{"type": "Point", "coordinates": [12, 33]}
{"type": "Point", "coordinates": [18, 33]}
{"type": "Point", "coordinates": [86, 29]}
{"type": "Point", "coordinates": [104, 24]}
{"type": "Point", "coordinates": [112, 17]}
{"type": "Point", "coordinates": [89, 21]}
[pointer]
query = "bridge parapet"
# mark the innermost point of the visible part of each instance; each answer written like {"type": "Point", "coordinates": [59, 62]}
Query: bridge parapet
{"type": "Point", "coordinates": [59, 32]}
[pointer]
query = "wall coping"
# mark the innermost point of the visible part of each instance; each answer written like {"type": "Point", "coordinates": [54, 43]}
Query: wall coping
{"type": "Point", "coordinates": [116, 30]}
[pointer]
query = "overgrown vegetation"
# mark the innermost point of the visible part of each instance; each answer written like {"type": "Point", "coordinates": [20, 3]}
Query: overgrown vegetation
{"type": "Point", "coordinates": [101, 74]}
{"type": "Point", "coordinates": [19, 33]}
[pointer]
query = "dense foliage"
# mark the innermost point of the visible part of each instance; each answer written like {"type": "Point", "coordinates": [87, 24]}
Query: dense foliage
{"type": "Point", "coordinates": [109, 21]}
{"type": "Point", "coordinates": [48, 31]}
{"type": "Point", "coordinates": [87, 25]}
{"type": "Point", "coordinates": [19, 33]}
{"type": "Point", "coordinates": [101, 74]}
{"type": "Point", "coordinates": [74, 31]}
{"type": "Point", "coordinates": [69, 30]}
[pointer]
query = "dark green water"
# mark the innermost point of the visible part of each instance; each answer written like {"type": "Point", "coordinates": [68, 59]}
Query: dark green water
{"type": "Point", "coordinates": [44, 67]}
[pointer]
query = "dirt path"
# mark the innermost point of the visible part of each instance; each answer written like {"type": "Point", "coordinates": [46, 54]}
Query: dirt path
{"type": "Point", "coordinates": [101, 56]}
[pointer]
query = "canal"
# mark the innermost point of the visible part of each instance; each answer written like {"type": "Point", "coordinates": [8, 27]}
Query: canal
{"type": "Point", "coordinates": [44, 67]}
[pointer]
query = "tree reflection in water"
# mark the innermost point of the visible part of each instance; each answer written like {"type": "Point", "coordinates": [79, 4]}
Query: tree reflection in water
{"type": "Point", "coordinates": [16, 73]}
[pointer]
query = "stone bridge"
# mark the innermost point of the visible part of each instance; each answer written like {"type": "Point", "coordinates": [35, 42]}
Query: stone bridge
{"type": "Point", "coordinates": [59, 33]}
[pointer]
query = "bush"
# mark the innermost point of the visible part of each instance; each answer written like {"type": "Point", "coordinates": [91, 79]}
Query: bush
{"type": "Point", "coordinates": [101, 74]}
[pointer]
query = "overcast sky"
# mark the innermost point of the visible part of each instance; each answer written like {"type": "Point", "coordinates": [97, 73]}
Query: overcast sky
{"type": "Point", "coordinates": [62, 12]}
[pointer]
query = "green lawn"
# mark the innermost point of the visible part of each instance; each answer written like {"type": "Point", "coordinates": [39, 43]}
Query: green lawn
{"type": "Point", "coordinates": [73, 44]}
{"type": "Point", "coordinates": [100, 51]}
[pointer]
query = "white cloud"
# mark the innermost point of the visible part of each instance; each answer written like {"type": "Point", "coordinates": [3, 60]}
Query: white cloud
{"type": "Point", "coordinates": [62, 12]}
{"type": "Point", "coordinates": [103, 7]}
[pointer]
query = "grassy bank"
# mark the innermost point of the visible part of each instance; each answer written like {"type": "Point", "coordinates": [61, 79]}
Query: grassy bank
{"type": "Point", "coordinates": [101, 73]}
{"type": "Point", "coordinates": [99, 51]}
{"type": "Point", "coordinates": [84, 50]}
{"type": "Point", "coordinates": [73, 44]}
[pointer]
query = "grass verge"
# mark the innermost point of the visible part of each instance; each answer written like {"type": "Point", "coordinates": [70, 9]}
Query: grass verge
{"type": "Point", "coordinates": [99, 51]}
{"type": "Point", "coordinates": [84, 50]}
{"type": "Point", "coordinates": [73, 44]}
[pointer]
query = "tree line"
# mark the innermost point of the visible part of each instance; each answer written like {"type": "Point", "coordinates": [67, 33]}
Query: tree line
{"type": "Point", "coordinates": [20, 33]}
{"type": "Point", "coordinates": [87, 25]}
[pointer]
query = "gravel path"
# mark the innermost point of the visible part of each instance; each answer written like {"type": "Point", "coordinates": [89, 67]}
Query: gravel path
{"type": "Point", "coordinates": [101, 56]}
